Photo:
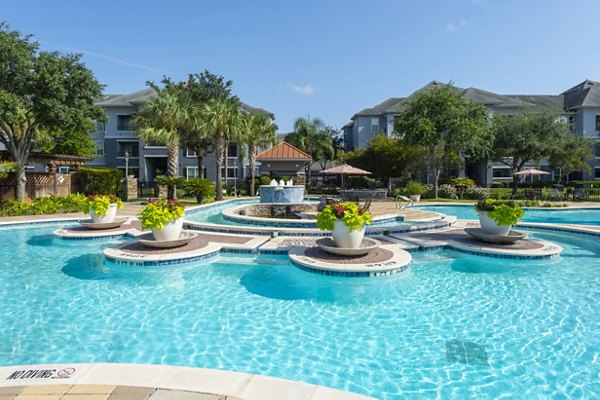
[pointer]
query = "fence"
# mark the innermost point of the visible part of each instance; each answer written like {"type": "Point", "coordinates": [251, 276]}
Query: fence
{"type": "Point", "coordinates": [39, 184]}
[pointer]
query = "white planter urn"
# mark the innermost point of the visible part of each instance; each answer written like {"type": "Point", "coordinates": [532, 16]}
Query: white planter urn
{"type": "Point", "coordinates": [170, 231]}
{"type": "Point", "coordinates": [106, 218]}
{"type": "Point", "coordinates": [415, 197]}
{"type": "Point", "coordinates": [345, 238]}
{"type": "Point", "coordinates": [491, 227]}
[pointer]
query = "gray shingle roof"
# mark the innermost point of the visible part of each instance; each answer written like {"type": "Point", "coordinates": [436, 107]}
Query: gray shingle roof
{"type": "Point", "coordinates": [142, 96]}
{"type": "Point", "coordinates": [380, 108]}
{"type": "Point", "coordinates": [586, 94]}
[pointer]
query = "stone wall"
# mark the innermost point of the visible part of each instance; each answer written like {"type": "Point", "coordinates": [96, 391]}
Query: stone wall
{"type": "Point", "coordinates": [276, 210]}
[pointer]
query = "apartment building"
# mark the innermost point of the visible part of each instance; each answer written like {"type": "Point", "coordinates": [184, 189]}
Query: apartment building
{"type": "Point", "coordinates": [580, 104]}
{"type": "Point", "coordinates": [118, 138]}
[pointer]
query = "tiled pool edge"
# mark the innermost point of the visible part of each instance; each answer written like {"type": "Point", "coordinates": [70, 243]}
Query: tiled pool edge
{"type": "Point", "coordinates": [240, 385]}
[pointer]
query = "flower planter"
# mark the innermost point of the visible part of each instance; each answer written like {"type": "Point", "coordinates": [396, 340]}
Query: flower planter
{"type": "Point", "coordinates": [343, 237]}
{"type": "Point", "coordinates": [171, 230]}
{"type": "Point", "coordinates": [491, 227]}
{"type": "Point", "coordinates": [106, 218]}
{"type": "Point", "coordinates": [415, 197]}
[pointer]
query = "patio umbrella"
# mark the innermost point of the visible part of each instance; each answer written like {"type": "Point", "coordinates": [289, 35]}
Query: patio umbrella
{"type": "Point", "coordinates": [531, 172]}
{"type": "Point", "coordinates": [345, 169]}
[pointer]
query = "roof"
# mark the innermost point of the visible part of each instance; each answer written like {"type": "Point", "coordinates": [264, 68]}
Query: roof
{"type": "Point", "coordinates": [283, 151]}
{"type": "Point", "coordinates": [586, 94]}
{"type": "Point", "coordinates": [380, 108]}
{"type": "Point", "coordinates": [142, 96]}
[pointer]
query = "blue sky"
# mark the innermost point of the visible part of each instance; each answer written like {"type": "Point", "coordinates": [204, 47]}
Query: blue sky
{"type": "Point", "coordinates": [326, 59]}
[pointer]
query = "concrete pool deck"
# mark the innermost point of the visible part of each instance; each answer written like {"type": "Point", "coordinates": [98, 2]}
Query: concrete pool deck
{"type": "Point", "coordinates": [104, 381]}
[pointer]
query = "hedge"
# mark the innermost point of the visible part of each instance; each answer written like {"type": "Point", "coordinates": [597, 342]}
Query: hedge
{"type": "Point", "coordinates": [105, 181]}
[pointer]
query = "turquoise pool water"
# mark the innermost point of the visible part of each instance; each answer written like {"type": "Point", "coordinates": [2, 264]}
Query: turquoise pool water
{"type": "Point", "coordinates": [526, 329]}
{"type": "Point", "coordinates": [583, 216]}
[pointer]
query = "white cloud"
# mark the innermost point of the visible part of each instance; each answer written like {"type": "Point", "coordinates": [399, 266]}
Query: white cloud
{"type": "Point", "coordinates": [305, 90]}
{"type": "Point", "coordinates": [455, 26]}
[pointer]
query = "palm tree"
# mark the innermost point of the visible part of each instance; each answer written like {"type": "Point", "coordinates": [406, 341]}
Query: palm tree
{"type": "Point", "coordinates": [260, 131]}
{"type": "Point", "coordinates": [161, 120]}
{"type": "Point", "coordinates": [220, 119]}
{"type": "Point", "coordinates": [313, 137]}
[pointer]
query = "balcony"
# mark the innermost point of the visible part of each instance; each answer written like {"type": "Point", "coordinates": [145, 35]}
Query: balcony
{"type": "Point", "coordinates": [132, 154]}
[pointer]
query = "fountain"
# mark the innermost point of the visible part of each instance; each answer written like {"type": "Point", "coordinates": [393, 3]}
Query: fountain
{"type": "Point", "coordinates": [281, 192]}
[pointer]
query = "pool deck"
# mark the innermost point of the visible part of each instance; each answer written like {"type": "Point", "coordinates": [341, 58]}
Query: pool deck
{"type": "Point", "coordinates": [103, 381]}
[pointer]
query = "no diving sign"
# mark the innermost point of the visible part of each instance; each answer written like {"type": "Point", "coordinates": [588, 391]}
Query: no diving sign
{"type": "Point", "coordinates": [50, 373]}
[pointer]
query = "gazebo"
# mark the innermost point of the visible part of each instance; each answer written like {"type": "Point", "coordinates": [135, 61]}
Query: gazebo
{"type": "Point", "coordinates": [284, 160]}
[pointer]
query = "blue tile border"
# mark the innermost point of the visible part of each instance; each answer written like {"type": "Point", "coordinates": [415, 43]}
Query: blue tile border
{"type": "Point", "coordinates": [104, 237]}
{"type": "Point", "coordinates": [348, 274]}
{"type": "Point", "coordinates": [155, 263]}
{"type": "Point", "coordinates": [24, 224]}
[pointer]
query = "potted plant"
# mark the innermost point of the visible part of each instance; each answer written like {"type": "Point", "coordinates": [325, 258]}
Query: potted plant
{"type": "Point", "coordinates": [497, 217]}
{"type": "Point", "coordinates": [102, 208]}
{"type": "Point", "coordinates": [164, 218]}
{"type": "Point", "coordinates": [346, 221]}
{"type": "Point", "coordinates": [200, 188]}
{"type": "Point", "coordinates": [414, 190]}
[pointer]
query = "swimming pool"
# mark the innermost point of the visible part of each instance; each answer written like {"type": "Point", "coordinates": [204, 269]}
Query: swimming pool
{"type": "Point", "coordinates": [527, 329]}
{"type": "Point", "coordinates": [580, 216]}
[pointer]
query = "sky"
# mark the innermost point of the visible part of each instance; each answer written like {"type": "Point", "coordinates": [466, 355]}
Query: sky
{"type": "Point", "coordinates": [326, 59]}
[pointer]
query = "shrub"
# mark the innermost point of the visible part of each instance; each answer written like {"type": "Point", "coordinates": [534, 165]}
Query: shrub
{"type": "Point", "coordinates": [505, 213]}
{"type": "Point", "coordinates": [100, 203]}
{"type": "Point", "coordinates": [158, 213]}
{"type": "Point", "coordinates": [42, 205]}
{"type": "Point", "coordinates": [447, 192]}
{"type": "Point", "coordinates": [171, 182]}
{"type": "Point", "coordinates": [476, 192]}
{"type": "Point", "coordinates": [499, 185]}
{"type": "Point", "coordinates": [414, 189]}
{"type": "Point", "coordinates": [353, 216]}
{"type": "Point", "coordinates": [104, 181]}
{"type": "Point", "coordinates": [200, 188]}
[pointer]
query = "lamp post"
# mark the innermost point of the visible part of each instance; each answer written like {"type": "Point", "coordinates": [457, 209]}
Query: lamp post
{"type": "Point", "coordinates": [126, 165]}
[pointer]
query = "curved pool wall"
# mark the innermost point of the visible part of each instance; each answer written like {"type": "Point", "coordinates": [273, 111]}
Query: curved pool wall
{"type": "Point", "coordinates": [498, 328]}
{"type": "Point", "coordinates": [282, 194]}
{"type": "Point", "coordinates": [219, 218]}
{"type": "Point", "coordinates": [564, 215]}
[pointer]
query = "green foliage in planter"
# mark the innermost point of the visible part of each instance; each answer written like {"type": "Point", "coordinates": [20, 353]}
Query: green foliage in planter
{"type": "Point", "coordinates": [414, 189]}
{"type": "Point", "coordinates": [104, 181]}
{"type": "Point", "coordinates": [100, 203]}
{"type": "Point", "coordinates": [353, 216]}
{"type": "Point", "coordinates": [157, 213]}
{"type": "Point", "coordinates": [505, 213]}
{"type": "Point", "coordinates": [199, 188]}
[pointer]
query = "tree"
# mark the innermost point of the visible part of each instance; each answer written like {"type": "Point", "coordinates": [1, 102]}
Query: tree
{"type": "Point", "coordinates": [197, 90]}
{"type": "Point", "coordinates": [161, 121]}
{"type": "Point", "coordinates": [445, 123]}
{"type": "Point", "coordinates": [71, 143]}
{"type": "Point", "coordinates": [219, 119]}
{"type": "Point", "coordinates": [260, 131]}
{"type": "Point", "coordinates": [386, 158]}
{"type": "Point", "coordinates": [41, 93]}
{"type": "Point", "coordinates": [313, 137]}
{"type": "Point", "coordinates": [571, 155]}
{"type": "Point", "coordinates": [526, 136]}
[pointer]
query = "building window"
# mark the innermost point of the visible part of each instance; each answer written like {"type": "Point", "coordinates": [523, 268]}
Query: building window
{"type": "Point", "coordinates": [502, 172]}
{"type": "Point", "coordinates": [124, 123]}
{"type": "Point", "coordinates": [597, 150]}
{"type": "Point", "coordinates": [572, 122]}
{"type": "Point", "coordinates": [598, 123]}
{"type": "Point", "coordinates": [375, 126]}
{"type": "Point", "coordinates": [597, 173]}
{"type": "Point", "coordinates": [190, 153]}
{"type": "Point", "coordinates": [191, 172]}
{"type": "Point", "coordinates": [232, 151]}
{"type": "Point", "coordinates": [99, 148]}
